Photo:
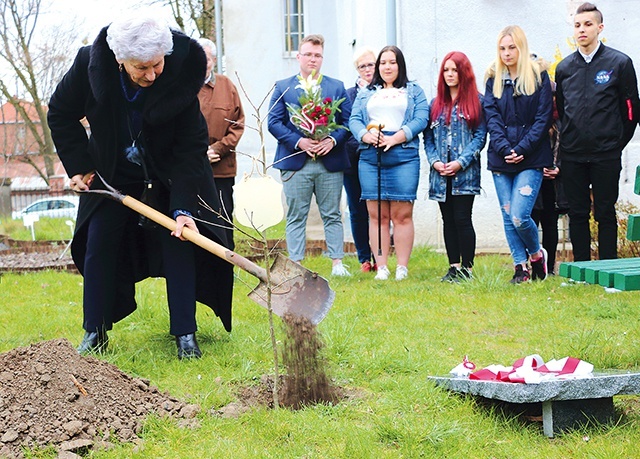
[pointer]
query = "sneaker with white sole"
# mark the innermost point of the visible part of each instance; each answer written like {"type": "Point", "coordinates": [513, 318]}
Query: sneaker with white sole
{"type": "Point", "coordinates": [383, 273]}
{"type": "Point", "coordinates": [340, 270]}
{"type": "Point", "coordinates": [401, 272]}
{"type": "Point", "coordinates": [539, 267]}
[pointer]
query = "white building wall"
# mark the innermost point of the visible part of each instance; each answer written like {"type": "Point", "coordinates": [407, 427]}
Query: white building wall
{"type": "Point", "coordinates": [426, 31]}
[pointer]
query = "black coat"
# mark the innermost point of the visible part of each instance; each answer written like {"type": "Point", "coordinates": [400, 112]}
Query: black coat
{"type": "Point", "coordinates": [598, 105]}
{"type": "Point", "coordinates": [520, 123]}
{"type": "Point", "coordinates": [175, 139]}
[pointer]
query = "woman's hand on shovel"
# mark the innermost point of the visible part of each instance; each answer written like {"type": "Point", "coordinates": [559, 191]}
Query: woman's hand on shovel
{"type": "Point", "coordinates": [81, 182]}
{"type": "Point", "coordinates": [181, 222]}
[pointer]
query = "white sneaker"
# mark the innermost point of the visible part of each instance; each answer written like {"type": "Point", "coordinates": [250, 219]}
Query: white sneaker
{"type": "Point", "coordinates": [401, 272]}
{"type": "Point", "coordinates": [383, 273]}
{"type": "Point", "coordinates": [340, 270]}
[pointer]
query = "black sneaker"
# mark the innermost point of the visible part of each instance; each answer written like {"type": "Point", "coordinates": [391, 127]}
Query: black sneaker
{"type": "Point", "coordinates": [521, 275]}
{"type": "Point", "coordinates": [452, 275]}
{"type": "Point", "coordinates": [465, 274]}
{"type": "Point", "coordinates": [539, 267]}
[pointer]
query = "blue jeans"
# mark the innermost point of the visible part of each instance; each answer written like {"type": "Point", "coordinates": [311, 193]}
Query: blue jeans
{"type": "Point", "coordinates": [299, 187]}
{"type": "Point", "coordinates": [517, 194]}
{"type": "Point", "coordinates": [359, 217]}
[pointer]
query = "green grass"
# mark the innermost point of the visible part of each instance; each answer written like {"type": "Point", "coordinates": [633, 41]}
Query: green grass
{"type": "Point", "coordinates": [45, 229]}
{"type": "Point", "coordinates": [382, 342]}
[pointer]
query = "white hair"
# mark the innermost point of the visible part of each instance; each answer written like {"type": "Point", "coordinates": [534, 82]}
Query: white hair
{"type": "Point", "coordinates": [363, 51]}
{"type": "Point", "coordinates": [140, 37]}
{"type": "Point", "coordinates": [206, 43]}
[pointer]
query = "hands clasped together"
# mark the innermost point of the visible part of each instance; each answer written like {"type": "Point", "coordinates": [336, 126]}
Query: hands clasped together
{"type": "Point", "coordinates": [212, 155]}
{"type": "Point", "coordinates": [447, 169]}
{"type": "Point", "coordinates": [513, 158]}
{"type": "Point", "coordinates": [381, 140]}
{"type": "Point", "coordinates": [315, 148]}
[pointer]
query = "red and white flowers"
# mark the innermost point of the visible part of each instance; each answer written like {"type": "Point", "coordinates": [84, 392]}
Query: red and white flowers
{"type": "Point", "coordinates": [315, 117]}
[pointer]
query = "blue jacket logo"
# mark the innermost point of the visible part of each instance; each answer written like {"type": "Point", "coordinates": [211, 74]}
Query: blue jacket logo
{"type": "Point", "coordinates": [603, 77]}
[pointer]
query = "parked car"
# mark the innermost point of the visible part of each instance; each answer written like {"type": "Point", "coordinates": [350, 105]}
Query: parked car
{"type": "Point", "coordinates": [60, 207]}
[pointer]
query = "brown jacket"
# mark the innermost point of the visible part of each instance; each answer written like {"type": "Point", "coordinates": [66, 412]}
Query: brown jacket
{"type": "Point", "coordinates": [220, 103]}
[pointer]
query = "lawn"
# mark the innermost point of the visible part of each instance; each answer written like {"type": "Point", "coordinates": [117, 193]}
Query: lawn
{"type": "Point", "coordinates": [383, 339]}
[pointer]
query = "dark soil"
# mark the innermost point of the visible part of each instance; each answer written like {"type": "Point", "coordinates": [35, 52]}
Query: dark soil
{"type": "Point", "coordinates": [306, 381]}
{"type": "Point", "coordinates": [50, 395]}
{"type": "Point", "coordinates": [25, 256]}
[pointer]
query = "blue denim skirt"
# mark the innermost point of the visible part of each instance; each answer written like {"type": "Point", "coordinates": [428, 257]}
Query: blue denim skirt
{"type": "Point", "coordinates": [399, 174]}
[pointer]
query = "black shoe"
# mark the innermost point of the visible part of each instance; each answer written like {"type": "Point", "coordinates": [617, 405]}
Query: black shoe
{"type": "Point", "coordinates": [453, 275]}
{"type": "Point", "coordinates": [93, 342]}
{"type": "Point", "coordinates": [539, 267]}
{"type": "Point", "coordinates": [521, 275]}
{"type": "Point", "coordinates": [188, 347]}
{"type": "Point", "coordinates": [465, 274]}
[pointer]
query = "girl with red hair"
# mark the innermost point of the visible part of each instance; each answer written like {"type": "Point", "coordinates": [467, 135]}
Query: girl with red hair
{"type": "Point", "coordinates": [453, 140]}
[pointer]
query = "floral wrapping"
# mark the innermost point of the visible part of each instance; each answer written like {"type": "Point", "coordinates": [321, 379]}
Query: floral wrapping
{"type": "Point", "coordinates": [315, 117]}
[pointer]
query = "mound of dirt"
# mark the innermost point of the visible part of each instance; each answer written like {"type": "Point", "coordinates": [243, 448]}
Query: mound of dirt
{"type": "Point", "coordinates": [51, 395]}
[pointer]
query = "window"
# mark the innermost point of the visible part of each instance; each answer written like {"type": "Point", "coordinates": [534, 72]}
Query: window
{"type": "Point", "coordinates": [293, 26]}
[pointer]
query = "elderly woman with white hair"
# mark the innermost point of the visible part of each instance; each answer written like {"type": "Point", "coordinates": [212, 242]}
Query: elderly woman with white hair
{"type": "Point", "coordinates": [137, 85]}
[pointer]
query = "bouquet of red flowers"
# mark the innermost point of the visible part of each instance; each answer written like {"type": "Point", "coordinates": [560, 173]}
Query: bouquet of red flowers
{"type": "Point", "coordinates": [315, 117]}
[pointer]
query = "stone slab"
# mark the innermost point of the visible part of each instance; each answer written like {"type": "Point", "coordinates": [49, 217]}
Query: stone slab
{"type": "Point", "coordinates": [566, 404]}
{"type": "Point", "coordinates": [600, 385]}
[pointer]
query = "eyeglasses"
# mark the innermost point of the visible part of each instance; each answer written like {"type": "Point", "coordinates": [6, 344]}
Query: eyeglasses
{"type": "Point", "coordinates": [370, 65]}
{"type": "Point", "coordinates": [310, 55]}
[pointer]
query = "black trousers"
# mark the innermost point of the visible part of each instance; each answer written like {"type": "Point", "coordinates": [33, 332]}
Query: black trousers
{"type": "Point", "coordinates": [225, 190]}
{"type": "Point", "coordinates": [580, 180]}
{"type": "Point", "coordinates": [547, 219]}
{"type": "Point", "coordinates": [107, 268]}
{"type": "Point", "coordinates": [459, 234]}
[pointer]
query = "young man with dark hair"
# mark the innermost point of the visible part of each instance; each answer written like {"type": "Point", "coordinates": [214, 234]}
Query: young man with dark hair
{"type": "Point", "coordinates": [597, 99]}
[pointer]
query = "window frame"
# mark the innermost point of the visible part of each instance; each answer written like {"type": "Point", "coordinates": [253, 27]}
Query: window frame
{"type": "Point", "coordinates": [291, 38]}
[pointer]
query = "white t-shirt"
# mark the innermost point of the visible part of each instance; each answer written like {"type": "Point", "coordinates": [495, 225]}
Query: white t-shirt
{"type": "Point", "coordinates": [388, 107]}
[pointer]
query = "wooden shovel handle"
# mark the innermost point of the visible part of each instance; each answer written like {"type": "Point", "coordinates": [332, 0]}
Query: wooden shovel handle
{"type": "Point", "coordinates": [197, 238]}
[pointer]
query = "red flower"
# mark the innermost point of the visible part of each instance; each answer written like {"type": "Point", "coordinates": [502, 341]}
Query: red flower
{"type": "Point", "coordinates": [327, 100]}
{"type": "Point", "coordinates": [318, 108]}
{"type": "Point", "coordinates": [322, 121]}
{"type": "Point", "coordinates": [327, 111]}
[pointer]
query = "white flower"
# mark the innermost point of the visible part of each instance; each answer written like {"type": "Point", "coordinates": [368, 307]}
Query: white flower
{"type": "Point", "coordinates": [310, 85]}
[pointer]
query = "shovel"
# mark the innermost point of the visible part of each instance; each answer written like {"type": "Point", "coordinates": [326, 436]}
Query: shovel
{"type": "Point", "coordinates": [294, 289]}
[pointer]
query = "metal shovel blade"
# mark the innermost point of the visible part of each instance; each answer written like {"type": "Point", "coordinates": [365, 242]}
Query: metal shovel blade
{"type": "Point", "coordinates": [295, 290]}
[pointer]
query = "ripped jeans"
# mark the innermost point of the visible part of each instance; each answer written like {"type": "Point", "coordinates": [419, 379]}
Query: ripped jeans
{"type": "Point", "coordinates": [517, 194]}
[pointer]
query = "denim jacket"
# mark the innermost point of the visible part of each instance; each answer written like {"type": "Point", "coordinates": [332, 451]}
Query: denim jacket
{"type": "Point", "coordinates": [465, 148]}
{"type": "Point", "coordinates": [415, 119]}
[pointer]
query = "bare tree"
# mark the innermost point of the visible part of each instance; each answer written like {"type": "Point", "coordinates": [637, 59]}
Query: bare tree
{"type": "Point", "coordinates": [194, 14]}
{"type": "Point", "coordinates": [33, 71]}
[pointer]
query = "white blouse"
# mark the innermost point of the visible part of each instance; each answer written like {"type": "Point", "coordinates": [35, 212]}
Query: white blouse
{"type": "Point", "coordinates": [388, 107]}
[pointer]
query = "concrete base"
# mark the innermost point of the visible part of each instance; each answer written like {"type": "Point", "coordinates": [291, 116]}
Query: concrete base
{"type": "Point", "coordinates": [564, 415]}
